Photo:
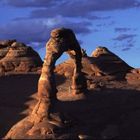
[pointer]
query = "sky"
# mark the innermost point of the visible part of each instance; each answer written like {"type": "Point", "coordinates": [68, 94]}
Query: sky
{"type": "Point", "coordinates": [114, 24]}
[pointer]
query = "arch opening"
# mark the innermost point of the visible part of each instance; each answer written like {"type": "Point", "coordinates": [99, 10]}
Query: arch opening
{"type": "Point", "coordinates": [61, 40]}
{"type": "Point", "coordinates": [43, 119]}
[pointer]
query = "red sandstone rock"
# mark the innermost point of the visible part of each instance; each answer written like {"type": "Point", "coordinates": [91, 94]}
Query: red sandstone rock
{"type": "Point", "coordinates": [133, 77]}
{"type": "Point", "coordinates": [102, 62]}
{"type": "Point", "coordinates": [17, 57]}
{"type": "Point", "coordinates": [110, 110]}
{"type": "Point", "coordinates": [43, 121]}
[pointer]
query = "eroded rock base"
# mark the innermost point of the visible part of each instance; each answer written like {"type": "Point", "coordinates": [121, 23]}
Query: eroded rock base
{"type": "Point", "coordinates": [38, 125]}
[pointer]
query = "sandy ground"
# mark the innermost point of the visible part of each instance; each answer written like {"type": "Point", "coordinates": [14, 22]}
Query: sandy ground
{"type": "Point", "coordinates": [110, 108]}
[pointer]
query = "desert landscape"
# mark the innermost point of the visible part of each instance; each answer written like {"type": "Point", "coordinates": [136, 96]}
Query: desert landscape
{"type": "Point", "coordinates": [84, 97]}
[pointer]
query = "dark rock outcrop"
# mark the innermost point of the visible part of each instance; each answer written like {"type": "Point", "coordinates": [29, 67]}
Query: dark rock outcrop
{"type": "Point", "coordinates": [17, 57]}
{"type": "Point", "coordinates": [108, 63]}
{"type": "Point", "coordinates": [133, 77]}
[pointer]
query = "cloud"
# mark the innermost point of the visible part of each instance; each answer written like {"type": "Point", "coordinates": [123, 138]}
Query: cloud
{"type": "Point", "coordinates": [25, 31]}
{"type": "Point", "coordinates": [37, 31]}
{"type": "Point", "coordinates": [122, 37]}
{"type": "Point", "coordinates": [30, 3]}
{"type": "Point", "coordinates": [124, 29]}
{"type": "Point", "coordinates": [105, 24]}
{"type": "Point", "coordinates": [95, 5]}
{"type": "Point", "coordinates": [44, 15]}
{"type": "Point", "coordinates": [128, 41]}
{"type": "Point", "coordinates": [125, 49]}
{"type": "Point", "coordinates": [71, 8]}
{"type": "Point", "coordinates": [128, 46]}
{"type": "Point", "coordinates": [80, 8]}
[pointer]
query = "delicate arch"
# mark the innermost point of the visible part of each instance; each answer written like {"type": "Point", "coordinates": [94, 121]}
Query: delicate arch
{"type": "Point", "coordinates": [62, 40]}
{"type": "Point", "coordinates": [41, 119]}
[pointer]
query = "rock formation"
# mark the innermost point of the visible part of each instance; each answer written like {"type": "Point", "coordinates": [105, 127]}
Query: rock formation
{"type": "Point", "coordinates": [101, 62]}
{"type": "Point", "coordinates": [43, 120]}
{"type": "Point", "coordinates": [108, 63]}
{"type": "Point", "coordinates": [133, 77]}
{"type": "Point", "coordinates": [17, 57]}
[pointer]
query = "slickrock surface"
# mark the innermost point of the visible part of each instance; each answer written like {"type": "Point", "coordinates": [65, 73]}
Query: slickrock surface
{"type": "Point", "coordinates": [101, 62]}
{"type": "Point", "coordinates": [44, 119]}
{"type": "Point", "coordinates": [133, 77]}
{"type": "Point", "coordinates": [17, 57]}
{"type": "Point", "coordinates": [110, 110]}
{"type": "Point", "coordinates": [34, 106]}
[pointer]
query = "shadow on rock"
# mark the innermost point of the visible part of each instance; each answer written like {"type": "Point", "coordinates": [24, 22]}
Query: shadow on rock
{"type": "Point", "coordinates": [108, 114]}
{"type": "Point", "coordinates": [17, 98]}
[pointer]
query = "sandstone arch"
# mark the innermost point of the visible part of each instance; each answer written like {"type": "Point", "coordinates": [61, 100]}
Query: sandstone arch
{"type": "Point", "coordinates": [62, 40]}
{"type": "Point", "coordinates": [40, 122]}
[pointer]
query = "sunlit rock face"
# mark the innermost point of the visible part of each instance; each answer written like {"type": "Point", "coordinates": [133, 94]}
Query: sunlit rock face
{"type": "Point", "coordinates": [100, 51]}
{"type": "Point", "coordinates": [108, 63]}
{"type": "Point", "coordinates": [106, 103]}
{"type": "Point", "coordinates": [101, 62]}
{"type": "Point", "coordinates": [133, 77]}
{"type": "Point", "coordinates": [17, 57]}
{"type": "Point", "coordinates": [44, 119]}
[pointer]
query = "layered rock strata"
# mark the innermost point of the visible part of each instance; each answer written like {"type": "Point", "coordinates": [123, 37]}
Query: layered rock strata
{"type": "Point", "coordinates": [44, 119]}
{"type": "Point", "coordinates": [101, 62]}
{"type": "Point", "coordinates": [16, 57]}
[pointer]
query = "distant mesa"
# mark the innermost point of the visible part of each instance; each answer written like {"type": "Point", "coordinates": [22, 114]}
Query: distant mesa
{"type": "Point", "coordinates": [107, 62]}
{"type": "Point", "coordinates": [16, 57]}
{"type": "Point", "coordinates": [101, 62]}
{"type": "Point", "coordinates": [101, 51]}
